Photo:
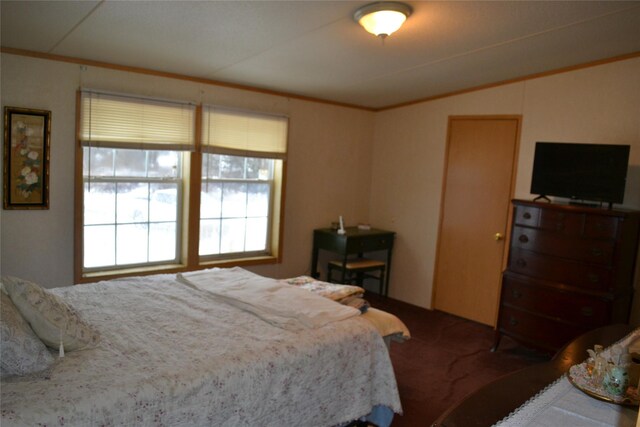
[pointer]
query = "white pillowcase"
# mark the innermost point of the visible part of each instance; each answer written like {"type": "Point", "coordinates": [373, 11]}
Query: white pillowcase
{"type": "Point", "coordinates": [21, 351]}
{"type": "Point", "coordinates": [50, 317]}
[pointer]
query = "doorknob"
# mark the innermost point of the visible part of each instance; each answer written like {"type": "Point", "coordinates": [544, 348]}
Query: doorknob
{"type": "Point", "coordinates": [498, 236]}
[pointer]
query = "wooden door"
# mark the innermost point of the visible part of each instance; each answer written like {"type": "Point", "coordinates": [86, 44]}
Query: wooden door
{"type": "Point", "coordinates": [478, 186]}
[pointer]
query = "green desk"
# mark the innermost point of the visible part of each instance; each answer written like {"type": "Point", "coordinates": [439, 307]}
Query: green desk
{"type": "Point", "coordinates": [353, 242]}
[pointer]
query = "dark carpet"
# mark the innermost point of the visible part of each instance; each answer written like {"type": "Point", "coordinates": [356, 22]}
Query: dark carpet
{"type": "Point", "coordinates": [446, 359]}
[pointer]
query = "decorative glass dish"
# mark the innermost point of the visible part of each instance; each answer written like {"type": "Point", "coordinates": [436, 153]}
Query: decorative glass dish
{"type": "Point", "coordinates": [580, 377]}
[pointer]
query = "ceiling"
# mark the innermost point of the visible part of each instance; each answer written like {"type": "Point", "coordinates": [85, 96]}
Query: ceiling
{"type": "Point", "coordinates": [314, 48]}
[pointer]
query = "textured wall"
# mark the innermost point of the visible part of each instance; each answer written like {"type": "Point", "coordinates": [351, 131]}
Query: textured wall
{"type": "Point", "coordinates": [328, 174]}
{"type": "Point", "coordinates": [598, 104]}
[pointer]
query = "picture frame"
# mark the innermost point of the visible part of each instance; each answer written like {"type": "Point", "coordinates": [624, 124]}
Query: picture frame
{"type": "Point", "coordinates": [27, 134]}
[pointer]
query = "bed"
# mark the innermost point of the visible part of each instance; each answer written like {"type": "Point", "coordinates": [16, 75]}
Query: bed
{"type": "Point", "coordinates": [167, 350]}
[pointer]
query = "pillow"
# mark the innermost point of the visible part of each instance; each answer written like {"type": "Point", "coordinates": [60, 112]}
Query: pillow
{"type": "Point", "coordinates": [356, 302]}
{"type": "Point", "coordinates": [50, 317]}
{"type": "Point", "coordinates": [387, 323]}
{"type": "Point", "coordinates": [21, 351]}
{"type": "Point", "coordinates": [332, 291]}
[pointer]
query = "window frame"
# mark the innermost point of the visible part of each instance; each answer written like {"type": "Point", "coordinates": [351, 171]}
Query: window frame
{"type": "Point", "coordinates": [189, 212]}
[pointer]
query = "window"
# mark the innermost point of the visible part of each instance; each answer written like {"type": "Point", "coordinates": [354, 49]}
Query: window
{"type": "Point", "coordinates": [131, 207]}
{"type": "Point", "coordinates": [242, 162]}
{"type": "Point", "coordinates": [142, 169]}
{"type": "Point", "coordinates": [132, 180]}
{"type": "Point", "coordinates": [235, 204]}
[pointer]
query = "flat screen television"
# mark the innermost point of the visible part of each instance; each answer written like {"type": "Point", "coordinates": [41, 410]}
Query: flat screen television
{"type": "Point", "coordinates": [580, 172]}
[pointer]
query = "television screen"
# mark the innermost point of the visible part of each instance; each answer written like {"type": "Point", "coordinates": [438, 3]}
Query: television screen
{"type": "Point", "coordinates": [595, 172]}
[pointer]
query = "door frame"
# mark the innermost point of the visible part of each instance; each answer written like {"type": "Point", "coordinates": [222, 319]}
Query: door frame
{"type": "Point", "coordinates": [512, 184]}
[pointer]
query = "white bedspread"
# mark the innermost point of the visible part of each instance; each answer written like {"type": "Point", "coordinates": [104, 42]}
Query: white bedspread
{"type": "Point", "coordinates": [169, 356]}
{"type": "Point", "coordinates": [281, 305]}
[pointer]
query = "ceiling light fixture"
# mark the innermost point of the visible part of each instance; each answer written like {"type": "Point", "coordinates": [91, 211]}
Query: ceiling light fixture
{"type": "Point", "coordinates": [382, 18]}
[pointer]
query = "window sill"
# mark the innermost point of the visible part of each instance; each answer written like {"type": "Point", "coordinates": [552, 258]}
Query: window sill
{"type": "Point", "coordinates": [140, 271]}
{"type": "Point", "coordinates": [238, 262]}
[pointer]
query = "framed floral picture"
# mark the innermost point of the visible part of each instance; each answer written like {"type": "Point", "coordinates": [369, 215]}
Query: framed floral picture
{"type": "Point", "coordinates": [26, 158]}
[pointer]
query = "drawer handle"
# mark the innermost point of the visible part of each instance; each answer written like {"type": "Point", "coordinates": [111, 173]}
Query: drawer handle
{"type": "Point", "coordinates": [521, 263]}
{"type": "Point", "coordinates": [526, 215]}
{"type": "Point", "coordinates": [516, 293]}
{"type": "Point", "coordinates": [593, 278]}
{"type": "Point", "coordinates": [586, 311]}
{"type": "Point", "coordinates": [596, 251]}
{"type": "Point", "coordinates": [523, 238]}
{"type": "Point", "coordinates": [513, 321]}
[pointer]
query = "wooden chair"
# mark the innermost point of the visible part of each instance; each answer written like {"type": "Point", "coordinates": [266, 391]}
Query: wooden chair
{"type": "Point", "coordinates": [354, 271]}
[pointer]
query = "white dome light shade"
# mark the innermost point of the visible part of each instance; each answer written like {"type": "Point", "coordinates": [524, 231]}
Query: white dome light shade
{"type": "Point", "coordinates": [382, 18]}
{"type": "Point", "coordinates": [383, 23]}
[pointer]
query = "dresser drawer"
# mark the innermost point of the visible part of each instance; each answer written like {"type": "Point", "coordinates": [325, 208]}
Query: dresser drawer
{"type": "Point", "coordinates": [562, 222]}
{"type": "Point", "coordinates": [544, 242]}
{"type": "Point", "coordinates": [526, 215]}
{"type": "Point", "coordinates": [536, 330]}
{"type": "Point", "coordinates": [571, 307]}
{"type": "Point", "coordinates": [601, 227]}
{"type": "Point", "coordinates": [369, 243]}
{"type": "Point", "coordinates": [573, 273]}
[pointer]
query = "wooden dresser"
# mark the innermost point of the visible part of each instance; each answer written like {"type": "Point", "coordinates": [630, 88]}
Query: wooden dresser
{"type": "Point", "coordinates": [570, 270]}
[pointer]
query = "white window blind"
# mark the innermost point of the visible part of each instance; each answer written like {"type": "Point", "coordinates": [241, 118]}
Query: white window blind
{"type": "Point", "coordinates": [120, 121]}
{"type": "Point", "coordinates": [244, 133]}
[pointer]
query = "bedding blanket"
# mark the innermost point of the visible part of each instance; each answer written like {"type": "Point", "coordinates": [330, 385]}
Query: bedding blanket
{"type": "Point", "coordinates": [172, 355]}
{"type": "Point", "coordinates": [279, 304]}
